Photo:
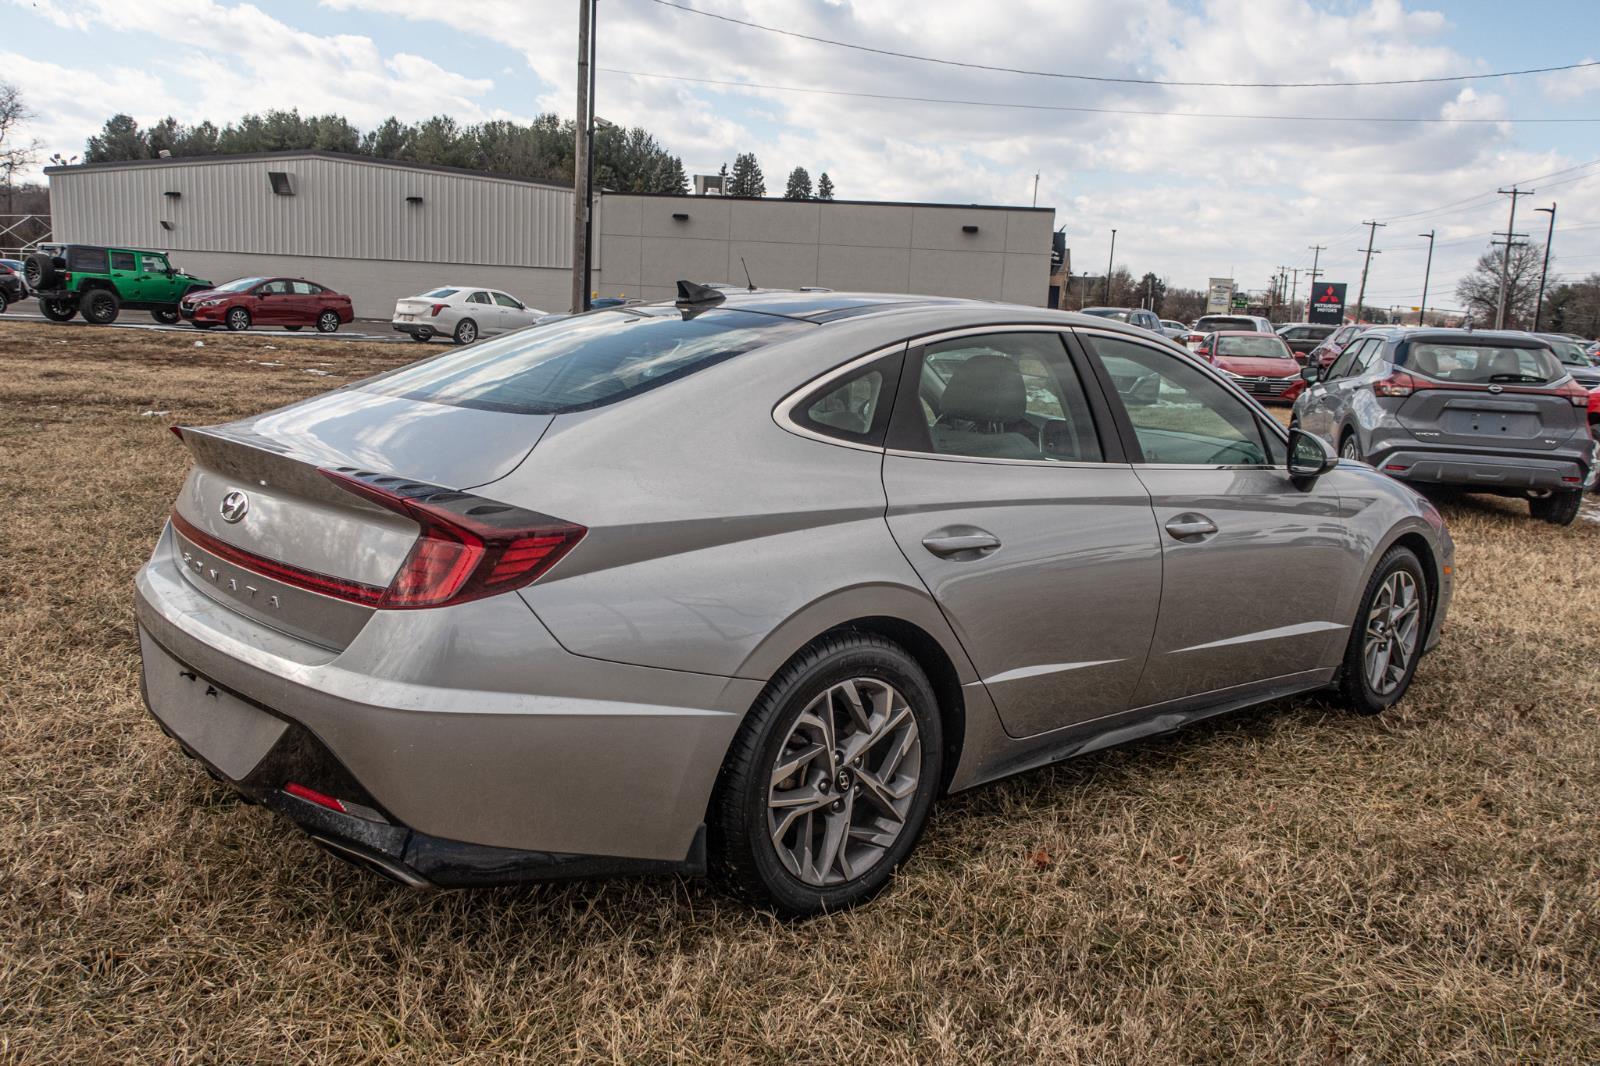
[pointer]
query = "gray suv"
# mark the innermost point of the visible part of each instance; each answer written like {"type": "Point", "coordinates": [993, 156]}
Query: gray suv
{"type": "Point", "coordinates": [1484, 411]}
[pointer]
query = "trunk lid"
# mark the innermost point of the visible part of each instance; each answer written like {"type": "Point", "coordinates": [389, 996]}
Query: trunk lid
{"type": "Point", "coordinates": [1474, 416]}
{"type": "Point", "coordinates": [414, 308]}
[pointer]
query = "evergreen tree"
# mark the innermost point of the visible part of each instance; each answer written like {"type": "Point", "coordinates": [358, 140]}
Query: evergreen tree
{"type": "Point", "coordinates": [799, 187]}
{"type": "Point", "coordinates": [747, 179]}
{"type": "Point", "coordinates": [824, 187]}
{"type": "Point", "coordinates": [119, 139]}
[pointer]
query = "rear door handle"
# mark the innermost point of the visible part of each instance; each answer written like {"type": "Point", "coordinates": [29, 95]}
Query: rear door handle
{"type": "Point", "coordinates": [962, 540]}
{"type": "Point", "coordinates": [1190, 526]}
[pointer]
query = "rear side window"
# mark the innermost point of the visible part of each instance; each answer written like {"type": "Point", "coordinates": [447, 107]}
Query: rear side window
{"type": "Point", "coordinates": [478, 298]}
{"type": "Point", "coordinates": [855, 409]}
{"type": "Point", "coordinates": [90, 260]}
{"type": "Point", "coordinates": [1481, 364]}
{"type": "Point", "coordinates": [305, 288]}
{"type": "Point", "coordinates": [585, 361]}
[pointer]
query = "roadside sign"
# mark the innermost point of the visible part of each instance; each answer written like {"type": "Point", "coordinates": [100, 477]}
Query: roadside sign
{"type": "Point", "coordinates": [1219, 295]}
{"type": "Point", "coordinates": [1241, 303]}
{"type": "Point", "coordinates": [1327, 303]}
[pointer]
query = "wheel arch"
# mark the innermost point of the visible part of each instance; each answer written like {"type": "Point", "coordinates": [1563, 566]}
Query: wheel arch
{"type": "Point", "coordinates": [1413, 538]}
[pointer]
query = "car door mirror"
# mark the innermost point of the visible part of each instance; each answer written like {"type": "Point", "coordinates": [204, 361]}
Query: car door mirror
{"type": "Point", "coordinates": [1309, 456]}
{"type": "Point", "coordinates": [1311, 372]}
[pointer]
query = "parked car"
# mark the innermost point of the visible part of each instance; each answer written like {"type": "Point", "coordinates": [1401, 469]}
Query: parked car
{"type": "Point", "coordinates": [864, 550]}
{"type": "Point", "coordinates": [1218, 323]}
{"type": "Point", "coordinates": [463, 313]}
{"type": "Point", "coordinates": [1486, 411]}
{"type": "Point", "coordinates": [1574, 358]}
{"type": "Point", "coordinates": [1302, 337]}
{"type": "Point", "coordinates": [292, 303]}
{"type": "Point", "coordinates": [1259, 363]}
{"type": "Point", "coordinates": [99, 282]}
{"type": "Point", "coordinates": [1328, 349]}
{"type": "Point", "coordinates": [1174, 331]}
{"type": "Point", "coordinates": [1133, 316]}
{"type": "Point", "coordinates": [12, 288]}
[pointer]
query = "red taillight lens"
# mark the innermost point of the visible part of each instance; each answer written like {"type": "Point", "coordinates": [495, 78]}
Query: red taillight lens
{"type": "Point", "coordinates": [1576, 393]}
{"type": "Point", "coordinates": [434, 313]}
{"type": "Point", "coordinates": [1398, 383]}
{"type": "Point", "coordinates": [467, 547]}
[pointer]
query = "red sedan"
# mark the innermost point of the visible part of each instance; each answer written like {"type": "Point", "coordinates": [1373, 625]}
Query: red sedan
{"type": "Point", "coordinates": [1259, 363]}
{"type": "Point", "coordinates": [288, 302]}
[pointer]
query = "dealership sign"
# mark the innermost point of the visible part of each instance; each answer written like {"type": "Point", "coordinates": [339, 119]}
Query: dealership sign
{"type": "Point", "coordinates": [1219, 295]}
{"type": "Point", "coordinates": [1327, 303]}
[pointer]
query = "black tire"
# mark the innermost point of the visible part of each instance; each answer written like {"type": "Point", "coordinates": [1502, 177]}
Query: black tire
{"type": "Point", "coordinates": [466, 331]}
{"type": "Point", "coordinates": [422, 338]}
{"type": "Point", "coordinates": [1560, 508]}
{"type": "Point", "coordinates": [238, 319]}
{"type": "Point", "coordinates": [58, 310]}
{"type": "Point", "coordinates": [4, 303]}
{"type": "Point", "coordinates": [294, 329]}
{"type": "Point", "coordinates": [167, 316]}
{"type": "Point", "coordinates": [328, 322]}
{"type": "Point", "coordinates": [1355, 688]}
{"type": "Point", "coordinates": [744, 859]}
{"type": "Point", "coordinates": [40, 271]}
{"type": "Point", "coordinates": [203, 325]}
{"type": "Point", "coordinates": [100, 306]}
{"type": "Point", "coordinates": [1350, 446]}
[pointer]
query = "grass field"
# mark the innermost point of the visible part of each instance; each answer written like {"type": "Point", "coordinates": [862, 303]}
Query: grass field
{"type": "Point", "coordinates": [1290, 884]}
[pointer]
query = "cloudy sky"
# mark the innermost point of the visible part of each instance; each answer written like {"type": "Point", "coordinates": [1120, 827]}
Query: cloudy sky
{"type": "Point", "coordinates": [1190, 197]}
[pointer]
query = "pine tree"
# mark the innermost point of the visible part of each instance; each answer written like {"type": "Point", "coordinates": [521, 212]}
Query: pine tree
{"type": "Point", "coordinates": [747, 179]}
{"type": "Point", "coordinates": [824, 187]}
{"type": "Point", "coordinates": [799, 187]}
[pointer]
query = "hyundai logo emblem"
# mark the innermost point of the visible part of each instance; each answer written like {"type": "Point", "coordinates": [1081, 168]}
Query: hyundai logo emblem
{"type": "Point", "coordinates": [234, 506]}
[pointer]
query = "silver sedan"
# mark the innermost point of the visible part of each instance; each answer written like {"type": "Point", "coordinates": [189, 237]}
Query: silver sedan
{"type": "Point", "coordinates": [741, 585]}
{"type": "Point", "coordinates": [463, 313]}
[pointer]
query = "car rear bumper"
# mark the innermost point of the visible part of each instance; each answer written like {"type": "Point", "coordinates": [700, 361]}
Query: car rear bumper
{"type": "Point", "coordinates": [1482, 472]}
{"type": "Point", "coordinates": [608, 771]}
{"type": "Point", "coordinates": [415, 329]}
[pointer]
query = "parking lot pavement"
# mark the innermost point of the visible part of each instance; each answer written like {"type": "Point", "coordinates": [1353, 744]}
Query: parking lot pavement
{"type": "Point", "coordinates": [362, 329]}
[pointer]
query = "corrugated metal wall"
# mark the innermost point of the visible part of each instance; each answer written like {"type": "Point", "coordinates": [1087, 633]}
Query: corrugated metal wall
{"type": "Point", "coordinates": [345, 209]}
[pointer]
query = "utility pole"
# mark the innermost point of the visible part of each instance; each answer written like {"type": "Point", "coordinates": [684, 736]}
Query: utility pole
{"type": "Point", "coordinates": [1372, 232]}
{"type": "Point", "coordinates": [1036, 190]}
{"type": "Point", "coordinates": [582, 188]}
{"type": "Point", "coordinates": [1422, 313]}
{"type": "Point", "coordinates": [1294, 292]}
{"type": "Point", "coordinates": [1505, 261]}
{"type": "Point", "coordinates": [1538, 307]}
{"type": "Point", "coordinates": [1316, 254]}
{"type": "Point", "coordinates": [1112, 258]}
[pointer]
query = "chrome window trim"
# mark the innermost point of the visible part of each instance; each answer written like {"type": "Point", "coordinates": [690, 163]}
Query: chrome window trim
{"type": "Point", "coordinates": [783, 410]}
{"type": "Point", "coordinates": [942, 457]}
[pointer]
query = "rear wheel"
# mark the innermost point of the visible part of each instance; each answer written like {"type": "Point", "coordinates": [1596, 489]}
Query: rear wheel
{"type": "Point", "coordinates": [238, 319]}
{"type": "Point", "coordinates": [166, 316]}
{"type": "Point", "coordinates": [466, 331]}
{"type": "Point", "coordinates": [3, 303]}
{"type": "Point", "coordinates": [1559, 508]}
{"type": "Point", "coordinates": [1386, 639]}
{"type": "Point", "coordinates": [58, 310]}
{"type": "Point", "coordinates": [101, 307]}
{"type": "Point", "coordinates": [829, 782]}
{"type": "Point", "coordinates": [327, 322]}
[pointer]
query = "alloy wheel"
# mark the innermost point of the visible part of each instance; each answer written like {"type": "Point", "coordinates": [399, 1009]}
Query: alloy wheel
{"type": "Point", "coordinates": [1349, 449]}
{"type": "Point", "coordinates": [1394, 624]}
{"type": "Point", "coordinates": [844, 781]}
{"type": "Point", "coordinates": [328, 322]}
{"type": "Point", "coordinates": [238, 319]}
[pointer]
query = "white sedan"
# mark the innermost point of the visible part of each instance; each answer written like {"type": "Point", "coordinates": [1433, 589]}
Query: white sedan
{"type": "Point", "coordinates": [462, 313]}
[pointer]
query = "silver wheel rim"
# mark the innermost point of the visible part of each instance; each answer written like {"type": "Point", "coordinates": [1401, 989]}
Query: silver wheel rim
{"type": "Point", "coordinates": [329, 322]}
{"type": "Point", "coordinates": [1394, 624]}
{"type": "Point", "coordinates": [1349, 449]}
{"type": "Point", "coordinates": [469, 333]}
{"type": "Point", "coordinates": [237, 320]}
{"type": "Point", "coordinates": [844, 781]}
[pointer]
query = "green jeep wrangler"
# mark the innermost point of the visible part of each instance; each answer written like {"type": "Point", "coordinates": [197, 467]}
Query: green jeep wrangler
{"type": "Point", "coordinates": [100, 282]}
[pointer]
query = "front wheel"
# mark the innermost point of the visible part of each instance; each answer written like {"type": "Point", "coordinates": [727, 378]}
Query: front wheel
{"type": "Point", "coordinates": [238, 319]}
{"type": "Point", "coordinates": [1350, 448]}
{"type": "Point", "coordinates": [166, 316]}
{"type": "Point", "coordinates": [1386, 640]}
{"type": "Point", "coordinates": [1559, 508]}
{"type": "Point", "coordinates": [829, 782]}
{"type": "Point", "coordinates": [327, 322]}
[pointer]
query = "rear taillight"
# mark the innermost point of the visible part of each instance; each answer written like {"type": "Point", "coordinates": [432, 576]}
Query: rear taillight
{"type": "Point", "coordinates": [1574, 392]}
{"type": "Point", "coordinates": [298, 577]}
{"type": "Point", "coordinates": [467, 547]}
{"type": "Point", "coordinates": [1398, 383]}
{"type": "Point", "coordinates": [434, 313]}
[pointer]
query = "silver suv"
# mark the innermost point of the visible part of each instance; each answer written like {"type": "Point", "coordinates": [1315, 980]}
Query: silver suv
{"type": "Point", "coordinates": [1484, 411]}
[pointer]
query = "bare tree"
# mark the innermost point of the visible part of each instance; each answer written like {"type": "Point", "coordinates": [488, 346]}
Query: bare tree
{"type": "Point", "coordinates": [1479, 291]}
{"type": "Point", "coordinates": [15, 154]}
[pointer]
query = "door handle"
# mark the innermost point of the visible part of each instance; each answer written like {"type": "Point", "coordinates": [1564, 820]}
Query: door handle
{"type": "Point", "coordinates": [963, 540]}
{"type": "Point", "coordinates": [1190, 526]}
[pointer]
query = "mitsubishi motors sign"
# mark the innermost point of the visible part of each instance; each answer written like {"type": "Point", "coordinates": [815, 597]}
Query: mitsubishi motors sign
{"type": "Point", "coordinates": [1327, 303]}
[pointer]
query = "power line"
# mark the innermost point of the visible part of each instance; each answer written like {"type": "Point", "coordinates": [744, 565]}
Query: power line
{"type": "Point", "coordinates": [1434, 119]}
{"type": "Point", "coordinates": [1121, 81]}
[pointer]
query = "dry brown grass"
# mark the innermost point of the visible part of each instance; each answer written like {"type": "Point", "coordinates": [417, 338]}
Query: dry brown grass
{"type": "Point", "coordinates": [1290, 884]}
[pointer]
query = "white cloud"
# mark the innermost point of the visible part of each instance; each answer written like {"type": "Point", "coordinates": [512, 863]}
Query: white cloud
{"type": "Point", "coordinates": [1571, 84]}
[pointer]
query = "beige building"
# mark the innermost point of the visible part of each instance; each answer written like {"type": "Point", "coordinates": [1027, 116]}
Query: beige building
{"type": "Point", "coordinates": [380, 230]}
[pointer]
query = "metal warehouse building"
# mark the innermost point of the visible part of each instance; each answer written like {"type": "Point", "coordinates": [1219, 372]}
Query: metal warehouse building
{"type": "Point", "coordinates": [380, 230]}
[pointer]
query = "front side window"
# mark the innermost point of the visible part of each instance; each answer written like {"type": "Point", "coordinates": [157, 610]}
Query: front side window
{"type": "Point", "coordinates": [153, 264]}
{"type": "Point", "coordinates": [1341, 366]}
{"type": "Point", "coordinates": [505, 301]}
{"type": "Point", "coordinates": [274, 288]}
{"type": "Point", "coordinates": [1003, 396]}
{"type": "Point", "coordinates": [1179, 414]}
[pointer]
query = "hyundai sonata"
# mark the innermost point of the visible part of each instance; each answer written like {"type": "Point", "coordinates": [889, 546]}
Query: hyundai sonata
{"type": "Point", "coordinates": [741, 584]}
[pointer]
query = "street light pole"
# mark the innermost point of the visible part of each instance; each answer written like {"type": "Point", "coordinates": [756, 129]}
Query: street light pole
{"type": "Point", "coordinates": [1112, 258]}
{"type": "Point", "coordinates": [1422, 312]}
{"type": "Point", "coordinates": [1538, 307]}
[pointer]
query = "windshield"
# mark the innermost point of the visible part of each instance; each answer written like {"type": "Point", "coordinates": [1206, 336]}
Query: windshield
{"type": "Point", "coordinates": [1107, 312]}
{"type": "Point", "coordinates": [240, 285]}
{"type": "Point", "coordinates": [1253, 347]}
{"type": "Point", "coordinates": [1482, 364]}
{"type": "Point", "coordinates": [585, 361]}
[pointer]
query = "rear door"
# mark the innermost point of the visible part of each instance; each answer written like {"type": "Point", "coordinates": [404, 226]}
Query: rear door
{"type": "Point", "coordinates": [125, 275]}
{"type": "Point", "coordinates": [481, 309]}
{"type": "Point", "coordinates": [1255, 568]}
{"type": "Point", "coordinates": [1018, 514]}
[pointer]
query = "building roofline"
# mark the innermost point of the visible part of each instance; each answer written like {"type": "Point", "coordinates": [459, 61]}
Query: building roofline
{"type": "Point", "coordinates": [301, 153]}
{"type": "Point", "coordinates": [786, 200]}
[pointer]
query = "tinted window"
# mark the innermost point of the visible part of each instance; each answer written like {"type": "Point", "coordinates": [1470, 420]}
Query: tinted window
{"type": "Point", "coordinates": [478, 298]}
{"type": "Point", "coordinates": [1178, 413]}
{"type": "Point", "coordinates": [1571, 353]}
{"type": "Point", "coordinates": [585, 361]}
{"type": "Point", "coordinates": [505, 301]}
{"type": "Point", "coordinates": [1341, 366]}
{"type": "Point", "coordinates": [1253, 347]}
{"type": "Point", "coordinates": [1004, 396]}
{"type": "Point", "coordinates": [92, 260]}
{"type": "Point", "coordinates": [1482, 364]}
{"type": "Point", "coordinates": [855, 409]}
{"type": "Point", "coordinates": [1214, 323]}
{"type": "Point", "coordinates": [122, 261]}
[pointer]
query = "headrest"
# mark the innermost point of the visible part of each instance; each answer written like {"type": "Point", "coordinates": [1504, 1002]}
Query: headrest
{"type": "Point", "coordinates": [985, 388]}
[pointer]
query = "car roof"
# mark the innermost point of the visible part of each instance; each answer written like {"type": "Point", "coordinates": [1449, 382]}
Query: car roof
{"type": "Point", "coordinates": [1503, 338]}
{"type": "Point", "coordinates": [1241, 333]}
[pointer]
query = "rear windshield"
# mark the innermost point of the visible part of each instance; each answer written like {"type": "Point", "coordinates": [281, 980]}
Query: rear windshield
{"type": "Point", "coordinates": [441, 293]}
{"type": "Point", "coordinates": [1253, 347]}
{"type": "Point", "coordinates": [1107, 312]}
{"type": "Point", "coordinates": [1482, 364]}
{"type": "Point", "coordinates": [1212, 325]}
{"type": "Point", "coordinates": [585, 361]}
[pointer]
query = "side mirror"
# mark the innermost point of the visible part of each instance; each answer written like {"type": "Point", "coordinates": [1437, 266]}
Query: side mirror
{"type": "Point", "coordinates": [1311, 372]}
{"type": "Point", "coordinates": [1309, 457]}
